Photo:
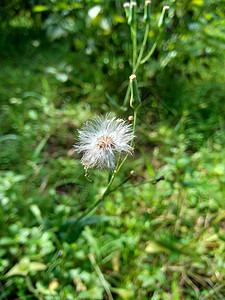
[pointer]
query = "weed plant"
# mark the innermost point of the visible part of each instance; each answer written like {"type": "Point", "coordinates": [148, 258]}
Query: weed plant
{"type": "Point", "coordinates": [152, 239]}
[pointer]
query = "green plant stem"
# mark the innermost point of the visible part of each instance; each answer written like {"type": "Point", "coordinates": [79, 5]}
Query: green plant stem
{"type": "Point", "coordinates": [142, 48]}
{"type": "Point", "coordinates": [133, 29]}
{"type": "Point", "coordinates": [150, 52]}
{"type": "Point", "coordinates": [121, 183]}
{"type": "Point", "coordinates": [127, 96]}
{"type": "Point", "coordinates": [105, 284]}
{"type": "Point", "coordinates": [31, 288]}
{"type": "Point", "coordinates": [132, 142]}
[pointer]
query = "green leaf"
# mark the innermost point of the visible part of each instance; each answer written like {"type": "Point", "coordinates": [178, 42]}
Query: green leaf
{"type": "Point", "coordinates": [6, 241]}
{"type": "Point", "coordinates": [154, 247]}
{"type": "Point", "coordinates": [175, 288]}
{"type": "Point", "coordinates": [36, 266]}
{"type": "Point", "coordinates": [9, 137]}
{"type": "Point", "coordinates": [37, 213]}
{"type": "Point", "coordinates": [71, 229]}
{"type": "Point", "coordinates": [123, 293]}
{"type": "Point", "coordinates": [24, 267]}
{"type": "Point", "coordinates": [113, 102]}
{"type": "Point", "coordinates": [39, 148]}
{"type": "Point", "coordinates": [21, 268]}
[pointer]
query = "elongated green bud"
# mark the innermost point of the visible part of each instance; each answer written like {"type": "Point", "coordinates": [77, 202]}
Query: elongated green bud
{"type": "Point", "coordinates": [135, 100]}
{"type": "Point", "coordinates": [132, 17]}
{"type": "Point", "coordinates": [163, 16]}
{"type": "Point", "coordinates": [126, 7]}
{"type": "Point", "coordinates": [147, 12]}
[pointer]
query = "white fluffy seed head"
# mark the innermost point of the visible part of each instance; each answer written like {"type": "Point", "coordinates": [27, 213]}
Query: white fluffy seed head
{"type": "Point", "coordinates": [101, 140]}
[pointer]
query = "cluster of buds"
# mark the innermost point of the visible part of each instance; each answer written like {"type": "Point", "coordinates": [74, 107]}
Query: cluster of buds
{"type": "Point", "coordinates": [147, 12]}
{"type": "Point", "coordinates": [130, 11]}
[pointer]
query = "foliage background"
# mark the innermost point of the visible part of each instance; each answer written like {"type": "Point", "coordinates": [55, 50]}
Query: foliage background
{"type": "Point", "coordinates": [59, 62]}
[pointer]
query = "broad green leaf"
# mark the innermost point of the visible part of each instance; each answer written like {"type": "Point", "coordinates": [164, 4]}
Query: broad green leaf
{"type": "Point", "coordinates": [6, 241]}
{"type": "Point", "coordinates": [24, 267]}
{"type": "Point", "coordinates": [123, 293]}
{"type": "Point", "coordinates": [21, 268]}
{"type": "Point", "coordinates": [36, 266]}
{"type": "Point", "coordinates": [154, 247]}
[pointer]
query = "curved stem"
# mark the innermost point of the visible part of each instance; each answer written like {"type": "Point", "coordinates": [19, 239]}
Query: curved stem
{"type": "Point", "coordinates": [31, 287]}
{"type": "Point", "coordinates": [126, 99]}
{"type": "Point", "coordinates": [150, 52]}
{"type": "Point", "coordinates": [142, 48]}
{"type": "Point", "coordinates": [94, 207]}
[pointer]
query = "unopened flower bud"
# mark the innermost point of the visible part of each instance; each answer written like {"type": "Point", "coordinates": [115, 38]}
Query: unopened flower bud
{"type": "Point", "coordinates": [131, 118]}
{"type": "Point", "coordinates": [135, 100]}
{"type": "Point", "coordinates": [147, 12]}
{"type": "Point", "coordinates": [132, 16]}
{"type": "Point", "coordinates": [163, 16]}
{"type": "Point", "coordinates": [126, 7]}
{"type": "Point", "coordinates": [133, 173]}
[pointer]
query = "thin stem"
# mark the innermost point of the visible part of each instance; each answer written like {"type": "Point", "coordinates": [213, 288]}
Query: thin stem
{"type": "Point", "coordinates": [150, 52]}
{"type": "Point", "coordinates": [126, 99]}
{"type": "Point", "coordinates": [121, 183]}
{"type": "Point", "coordinates": [154, 182]}
{"type": "Point", "coordinates": [31, 287]}
{"type": "Point", "coordinates": [133, 30]}
{"type": "Point", "coordinates": [142, 47]}
{"type": "Point", "coordinates": [101, 276]}
{"type": "Point", "coordinates": [94, 207]}
{"type": "Point", "coordinates": [132, 142]}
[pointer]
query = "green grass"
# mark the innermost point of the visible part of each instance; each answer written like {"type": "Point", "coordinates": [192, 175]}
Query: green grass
{"type": "Point", "coordinates": [156, 241]}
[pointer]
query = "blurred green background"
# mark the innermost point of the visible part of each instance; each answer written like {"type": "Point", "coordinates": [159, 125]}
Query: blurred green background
{"type": "Point", "coordinates": [64, 61]}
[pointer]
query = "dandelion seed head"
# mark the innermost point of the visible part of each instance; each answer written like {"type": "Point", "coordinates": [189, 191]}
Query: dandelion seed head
{"type": "Point", "coordinates": [101, 140]}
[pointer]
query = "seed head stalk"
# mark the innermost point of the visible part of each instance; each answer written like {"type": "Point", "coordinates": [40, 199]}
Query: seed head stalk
{"type": "Point", "coordinates": [132, 142]}
{"type": "Point", "coordinates": [92, 209]}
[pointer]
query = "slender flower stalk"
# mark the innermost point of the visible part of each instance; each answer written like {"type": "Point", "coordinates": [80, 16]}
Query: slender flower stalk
{"type": "Point", "coordinates": [142, 47]}
{"type": "Point", "coordinates": [151, 51]}
{"type": "Point", "coordinates": [133, 30]}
